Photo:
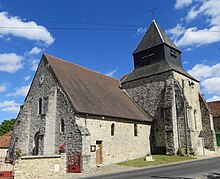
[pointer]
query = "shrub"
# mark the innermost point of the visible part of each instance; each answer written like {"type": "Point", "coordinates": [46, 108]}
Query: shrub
{"type": "Point", "coordinates": [181, 151]}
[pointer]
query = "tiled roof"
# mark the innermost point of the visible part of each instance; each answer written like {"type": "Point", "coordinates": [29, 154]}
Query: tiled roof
{"type": "Point", "coordinates": [94, 93]}
{"type": "Point", "coordinates": [215, 108]}
{"type": "Point", "coordinates": [5, 140]}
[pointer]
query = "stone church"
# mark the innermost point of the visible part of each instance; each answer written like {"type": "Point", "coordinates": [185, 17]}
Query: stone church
{"type": "Point", "coordinates": [155, 109]}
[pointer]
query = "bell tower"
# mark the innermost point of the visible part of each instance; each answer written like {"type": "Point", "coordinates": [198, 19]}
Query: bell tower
{"type": "Point", "coordinates": [156, 47]}
{"type": "Point", "coordinates": [160, 86]}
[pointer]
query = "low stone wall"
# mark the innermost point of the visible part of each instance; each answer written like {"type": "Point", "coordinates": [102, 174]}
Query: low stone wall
{"type": "Point", "coordinates": [40, 166]}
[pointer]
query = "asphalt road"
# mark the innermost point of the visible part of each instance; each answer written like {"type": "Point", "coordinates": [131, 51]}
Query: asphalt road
{"type": "Point", "coordinates": [186, 170]}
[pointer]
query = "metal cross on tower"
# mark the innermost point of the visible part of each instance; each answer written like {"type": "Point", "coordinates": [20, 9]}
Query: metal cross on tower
{"type": "Point", "coordinates": [152, 10]}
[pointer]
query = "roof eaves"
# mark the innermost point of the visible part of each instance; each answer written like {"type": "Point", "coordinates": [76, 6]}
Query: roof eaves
{"type": "Point", "coordinates": [118, 117]}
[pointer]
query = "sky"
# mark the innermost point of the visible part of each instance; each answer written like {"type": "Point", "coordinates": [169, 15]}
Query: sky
{"type": "Point", "coordinates": [101, 35]}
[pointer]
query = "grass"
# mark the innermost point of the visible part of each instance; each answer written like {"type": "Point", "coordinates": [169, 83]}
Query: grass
{"type": "Point", "coordinates": [158, 160]}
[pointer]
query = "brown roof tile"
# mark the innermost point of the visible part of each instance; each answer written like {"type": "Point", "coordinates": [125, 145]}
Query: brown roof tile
{"type": "Point", "coordinates": [93, 93]}
{"type": "Point", "coordinates": [5, 140]}
{"type": "Point", "coordinates": [215, 108]}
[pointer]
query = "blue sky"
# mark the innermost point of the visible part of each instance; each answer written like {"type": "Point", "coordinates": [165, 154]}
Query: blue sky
{"type": "Point", "coordinates": [101, 35]}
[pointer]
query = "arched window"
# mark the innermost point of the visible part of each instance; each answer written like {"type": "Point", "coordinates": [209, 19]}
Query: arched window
{"type": "Point", "coordinates": [62, 126]}
{"type": "Point", "coordinates": [135, 130]}
{"type": "Point", "coordinates": [195, 113]}
{"type": "Point", "coordinates": [40, 106]}
{"type": "Point", "coordinates": [36, 144]}
{"type": "Point", "coordinates": [112, 129]}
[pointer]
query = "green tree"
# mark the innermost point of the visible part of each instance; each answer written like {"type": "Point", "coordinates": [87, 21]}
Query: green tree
{"type": "Point", "coordinates": [6, 126]}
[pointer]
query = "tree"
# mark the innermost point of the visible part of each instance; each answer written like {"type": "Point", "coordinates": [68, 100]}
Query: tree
{"type": "Point", "coordinates": [6, 126]}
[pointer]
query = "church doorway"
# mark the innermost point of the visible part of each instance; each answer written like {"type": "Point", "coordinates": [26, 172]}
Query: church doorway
{"type": "Point", "coordinates": [36, 144]}
{"type": "Point", "coordinates": [98, 152]}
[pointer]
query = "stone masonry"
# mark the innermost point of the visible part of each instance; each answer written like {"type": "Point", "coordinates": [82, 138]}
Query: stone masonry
{"type": "Point", "coordinates": [55, 106]}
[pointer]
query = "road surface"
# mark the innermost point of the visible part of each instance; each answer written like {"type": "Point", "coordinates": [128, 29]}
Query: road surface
{"type": "Point", "coordinates": [187, 170]}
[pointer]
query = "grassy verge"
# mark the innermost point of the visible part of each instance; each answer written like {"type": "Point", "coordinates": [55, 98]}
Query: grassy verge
{"type": "Point", "coordinates": [158, 160]}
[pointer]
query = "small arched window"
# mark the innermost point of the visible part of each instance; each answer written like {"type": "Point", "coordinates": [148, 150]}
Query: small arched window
{"type": "Point", "coordinates": [36, 144]}
{"type": "Point", "coordinates": [112, 129]}
{"type": "Point", "coordinates": [40, 106]}
{"type": "Point", "coordinates": [62, 126]}
{"type": "Point", "coordinates": [195, 113]}
{"type": "Point", "coordinates": [135, 130]}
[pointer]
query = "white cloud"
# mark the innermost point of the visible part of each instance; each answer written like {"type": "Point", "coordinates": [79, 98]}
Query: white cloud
{"type": "Point", "coordinates": [111, 73]}
{"type": "Point", "coordinates": [192, 14]}
{"type": "Point", "coordinates": [182, 3]}
{"type": "Point", "coordinates": [202, 71]}
{"type": "Point", "coordinates": [209, 77]}
{"type": "Point", "coordinates": [176, 32]}
{"type": "Point", "coordinates": [34, 65]}
{"type": "Point", "coordinates": [193, 36]}
{"type": "Point", "coordinates": [188, 49]}
{"type": "Point", "coordinates": [213, 98]}
{"type": "Point", "coordinates": [185, 62]}
{"type": "Point", "coordinates": [4, 87]}
{"type": "Point", "coordinates": [197, 38]}
{"type": "Point", "coordinates": [22, 91]}
{"type": "Point", "coordinates": [142, 30]}
{"type": "Point", "coordinates": [9, 106]}
{"type": "Point", "coordinates": [26, 78]}
{"type": "Point", "coordinates": [210, 9]}
{"type": "Point", "coordinates": [14, 109]}
{"type": "Point", "coordinates": [15, 26]}
{"type": "Point", "coordinates": [10, 62]}
{"type": "Point", "coordinates": [211, 85]}
{"type": "Point", "coordinates": [35, 51]}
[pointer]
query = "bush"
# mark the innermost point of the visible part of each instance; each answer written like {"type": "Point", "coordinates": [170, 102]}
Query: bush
{"type": "Point", "coordinates": [191, 152]}
{"type": "Point", "coordinates": [182, 151]}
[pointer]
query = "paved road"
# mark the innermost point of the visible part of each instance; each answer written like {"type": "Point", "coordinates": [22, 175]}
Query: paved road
{"type": "Point", "coordinates": [186, 170]}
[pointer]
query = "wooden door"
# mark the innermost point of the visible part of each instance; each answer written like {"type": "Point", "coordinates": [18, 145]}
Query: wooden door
{"type": "Point", "coordinates": [99, 152]}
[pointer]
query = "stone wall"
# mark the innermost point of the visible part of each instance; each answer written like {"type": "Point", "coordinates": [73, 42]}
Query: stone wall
{"type": "Point", "coordinates": [71, 136]}
{"type": "Point", "coordinates": [122, 146]}
{"type": "Point", "coordinates": [40, 167]}
{"type": "Point", "coordinates": [29, 121]}
{"type": "Point", "coordinates": [148, 93]}
{"type": "Point", "coordinates": [179, 100]}
{"type": "Point", "coordinates": [170, 118]}
{"type": "Point", "coordinates": [162, 97]}
{"type": "Point", "coordinates": [207, 122]}
{"type": "Point", "coordinates": [193, 111]}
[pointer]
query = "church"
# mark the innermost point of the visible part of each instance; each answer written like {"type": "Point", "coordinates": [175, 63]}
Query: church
{"type": "Point", "coordinates": [98, 120]}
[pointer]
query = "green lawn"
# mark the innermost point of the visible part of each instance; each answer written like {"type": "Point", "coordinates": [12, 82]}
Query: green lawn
{"type": "Point", "coordinates": [158, 160]}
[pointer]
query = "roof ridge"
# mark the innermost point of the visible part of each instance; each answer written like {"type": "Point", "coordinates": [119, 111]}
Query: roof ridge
{"type": "Point", "coordinates": [85, 68]}
{"type": "Point", "coordinates": [158, 30]}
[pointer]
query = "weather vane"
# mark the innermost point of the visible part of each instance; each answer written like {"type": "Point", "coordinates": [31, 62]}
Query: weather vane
{"type": "Point", "coordinates": [152, 11]}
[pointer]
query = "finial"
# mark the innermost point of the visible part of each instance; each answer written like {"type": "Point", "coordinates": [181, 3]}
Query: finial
{"type": "Point", "coordinates": [152, 11]}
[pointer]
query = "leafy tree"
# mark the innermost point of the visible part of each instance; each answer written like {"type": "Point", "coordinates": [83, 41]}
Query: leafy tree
{"type": "Point", "coordinates": [6, 126]}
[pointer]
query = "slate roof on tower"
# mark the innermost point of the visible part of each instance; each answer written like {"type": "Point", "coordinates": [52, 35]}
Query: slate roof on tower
{"type": "Point", "coordinates": [157, 48]}
{"type": "Point", "coordinates": [153, 37]}
{"type": "Point", "coordinates": [94, 93]}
